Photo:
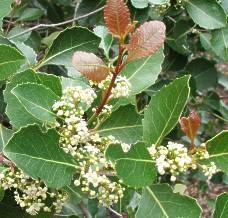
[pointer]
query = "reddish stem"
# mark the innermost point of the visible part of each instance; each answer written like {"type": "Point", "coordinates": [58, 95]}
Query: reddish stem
{"type": "Point", "coordinates": [118, 68]}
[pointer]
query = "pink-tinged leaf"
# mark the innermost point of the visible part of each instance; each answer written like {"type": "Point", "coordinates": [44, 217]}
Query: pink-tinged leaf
{"type": "Point", "coordinates": [146, 40]}
{"type": "Point", "coordinates": [91, 66]}
{"type": "Point", "coordinates": [117, 18]}
{"type": "Point", "coordinates": [190, 125]}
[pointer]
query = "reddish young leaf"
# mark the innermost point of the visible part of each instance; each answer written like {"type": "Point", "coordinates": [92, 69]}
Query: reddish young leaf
{"type": "Point", "coordinates": [91, 66]}
{"type": "Point", "coordinates": [146, 40]}
{"type": "Point", "coordinates": [190, 125]}
{"type": "Point", "coordinates": [117, 17]}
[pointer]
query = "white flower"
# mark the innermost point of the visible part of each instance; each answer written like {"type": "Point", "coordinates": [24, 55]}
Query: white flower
{"type": "Point", "coordinates": [125, 147]}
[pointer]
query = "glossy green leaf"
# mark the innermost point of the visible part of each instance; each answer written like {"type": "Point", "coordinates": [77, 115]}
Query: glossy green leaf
{"type": "Point", "coordinates": [221, 209]}
{"type": "Point", "coordinates": [225, 5]}
{"type": "Point", "coordinates": [140, 3]}
{"type": "Point", "coordinates": [30, 14]}
{"type": "Point", "coordinates": [136, 167]}
{"type": "Point", "coordinates": [106, 38]}
{"type": "Point", "coordinates": [158, 2]}
{"type": "Point", "coordinates": [38, 154]}
{"type": "Point", "coordinates": [17, 113]}
{"type": "Point", "coordinates": [208, 14]}
{"type": "Point", "coordinates": [205, 39]}
{"type": "Point", "coordinates": [10, 61]}
{"type": "Point", "coordinates": [37, 99]}
{"type": "Point", "coordinates": [67, 42]}
{"type": "Point", "coordinates": [219, 42]}
{"type": "Point", "coordinates": [5, 8]}
{"type": "Point", "coordinates": [28, 52]}
{"type": "Point", "coordinates": [164, 110]}
{"type": "Point", "coordinates": [144, 72]}
{"type": "Point", "coordinates": [218, 150]}
{"type": "Point", "coordinates": [124, 124]}
{"type": "Point", "coordinates": [5, 135]}
{"type": "Point", "coordinates": [160, 201]}
{"type": "Point", "coordinates": [204, 73]}
{"type": "Point", "coordinates": [178, 39]}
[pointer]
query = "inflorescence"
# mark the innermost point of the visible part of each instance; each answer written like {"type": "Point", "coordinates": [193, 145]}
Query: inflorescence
{"type": "Point", "coordinates": [93, 175]}
{"type": "Point", "coordinates": [33, 195]}
{"type": "Point", "coordinates": [175, 159]}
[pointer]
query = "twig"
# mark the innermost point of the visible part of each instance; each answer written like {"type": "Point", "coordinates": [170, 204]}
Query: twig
{"type": "Point", "coordinates": [56, 24]}
{"type": "Point", "coordinates": [76, 10]}
{"type": "Point", "coordinates": [114, 212]}
{"type": "Point", "coordinates": [85, 210]}
{"type": "Point", "coordinates": [118, 68]}
{"type": "Point", "coordinates": [10, 21]}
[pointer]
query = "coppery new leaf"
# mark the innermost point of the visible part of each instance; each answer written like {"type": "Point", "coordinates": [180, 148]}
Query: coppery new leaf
{"type": "Point", "coordinates": [146, 40]}
{"type": "Point", "coordinates": [91, 66]}
{"type": "Point", "coordinates": [117, 17]}
{"type": "Point", "coordinates": [190, 125]}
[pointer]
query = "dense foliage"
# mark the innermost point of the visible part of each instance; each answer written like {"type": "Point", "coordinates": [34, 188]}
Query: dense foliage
{"type": "Point", "coordinates": [112, 108]}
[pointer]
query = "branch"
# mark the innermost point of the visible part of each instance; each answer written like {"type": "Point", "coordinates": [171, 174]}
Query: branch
{"type": "Point", "coordinates": [85, 210]}
{"type": "Point", "coordinates": [56, 24]}
{"type": "Point", "coordinates": [115, 213]}
{"type": "Point", "coordinates": [78, 2]}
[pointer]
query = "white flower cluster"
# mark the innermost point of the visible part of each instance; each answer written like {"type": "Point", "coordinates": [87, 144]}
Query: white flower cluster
{"type": "Point", "coordinates": [88, 148]}
{"type": "Point", "coordinates": [73, 100]}
{"type": "Point", "coordinates": [32, 194]}
{"type": "Point", "coordinates": [122, 86]}
{"type": "Point", "coordinates": [209, 170]}
{"type": "Point", "coordinates": [176, 159]}
{"type": "Point", "coordinates": [94, 176]}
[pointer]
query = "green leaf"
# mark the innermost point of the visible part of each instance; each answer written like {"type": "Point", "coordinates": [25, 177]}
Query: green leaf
{"type": "Point", "coordinates": [204, 73]}
{"type": "Point", "coordinates": [144, 72]}
{"type": "Point", "coordinates": [106, 38]}
{"type": "Point", "coordinates": [178, 40]}
{"type": "Point", "coordinates": [221, 209]}
{"type": "Point", "coordinates": [136, 167]}
{"type": "Point", "coordinates": [205, 39]}
{"type": "Point", "coordinates": [38, 154]}
{"type": "Point", "coordinates": [219, 42]}
{"type": "Point", "coordinates": [164, 110]}
{"type": "Point", "coordinates": [16, 112]}
{"type": "Point", "coordinates": [73, 82]}
{"type": "Point", "coordinates": [5, 135]}
{"type": "Point", "coordinates": [208, 14]}
{"type": "Point", "coordinates": [5, 8]}
{"type": "Point", "coordinates": [67, 42]}
{"type": "Point", "coordinates": [225, 5]}
{"type": "Point", "coordinates": [27, 51]}
{"type": "Point", "coordinates": [160, 201]}
{"type": "Point", "coordinates": [140, 3]}
{"type": "Point", "coordinates": [75, 194]}
{"type": "Point", "coordinates": [217, 147]}
{"type": "Point", "coordinates": [10, 61]}
{"type": "Point", "coordinates": [124, 124]}
{"type": "Point", "coordinates": [30, 14]}
{"type": "Point", "coordinates": [141, 74]}
{"type": "Point", "coordinates": [158, 2]}
{"type": "Point", "coordinates": [37, 99]}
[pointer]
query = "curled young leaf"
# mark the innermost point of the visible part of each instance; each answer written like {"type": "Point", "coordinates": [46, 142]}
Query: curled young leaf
{"type": "Point", "coordinates": [117, 17]}
{"type": "Point", "coordinates": [146, 40]}
{"type": "Point", "coordinates": [91, 66]}
{"type": "Point", "coordinates": [190, 125]}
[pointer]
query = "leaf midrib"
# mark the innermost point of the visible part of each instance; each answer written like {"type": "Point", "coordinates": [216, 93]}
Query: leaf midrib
{"type": "Point", "coordinates": [158, 202]}
{"type": "Point", "coordinates": [117, 128]}
{"type": "Point", "coordinates": [66, 50]}
{"type": "Point", "coordinates": [39, 158]}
